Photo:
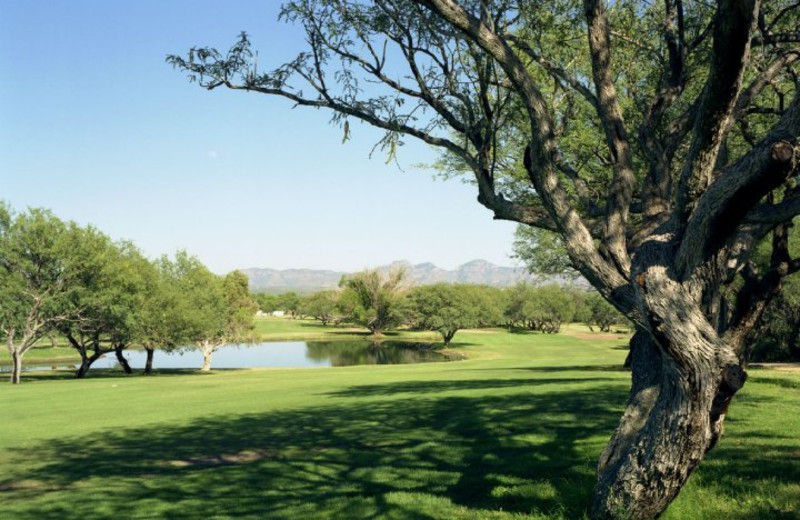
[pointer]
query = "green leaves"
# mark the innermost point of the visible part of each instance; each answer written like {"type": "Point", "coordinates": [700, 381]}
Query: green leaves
{"type": "Point", "coordinates": [373, 299]}
{"type": "Point", "coordinates": [448, 308]}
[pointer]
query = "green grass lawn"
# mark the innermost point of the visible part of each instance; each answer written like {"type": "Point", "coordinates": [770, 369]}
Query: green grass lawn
{"type": "Point", "coordinates": [512, 432]}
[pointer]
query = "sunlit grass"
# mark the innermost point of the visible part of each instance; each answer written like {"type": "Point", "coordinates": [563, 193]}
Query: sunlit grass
{"type": "Point", "coordinates": [513, 432]}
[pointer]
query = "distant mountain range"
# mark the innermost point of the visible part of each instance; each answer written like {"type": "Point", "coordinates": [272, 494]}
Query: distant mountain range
{"type": "Point", "coordinates": [309, 280]}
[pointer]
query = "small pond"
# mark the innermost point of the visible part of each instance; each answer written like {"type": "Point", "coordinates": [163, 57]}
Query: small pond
{"type": "Point", "coordinates": [286, 354]}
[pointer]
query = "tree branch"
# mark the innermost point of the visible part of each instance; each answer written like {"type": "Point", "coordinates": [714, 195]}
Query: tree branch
{"type": "Point", "coordinates": [539, 155]}
{"type": "Point", "coordinates": [738, 188]}
{"type": "Point", "coordinates": [735, 20]}
{"type": "Point", "coordinates": [770, 72]}
{"type": "Point", "coordinates": [608, 109]}
{"type": "Point", "coordinates": [558, 73]}
{"type": "Point", "coordinates": [655, 191]}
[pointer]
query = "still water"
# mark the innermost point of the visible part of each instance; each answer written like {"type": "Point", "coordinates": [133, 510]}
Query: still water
{"type": "Point", "coordinates": [282, 354]}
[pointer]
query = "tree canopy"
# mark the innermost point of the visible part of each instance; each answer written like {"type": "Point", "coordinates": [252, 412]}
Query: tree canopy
{"type": "Point", "coordinates": [448, 308]}
{"type": "Point", "coordinates": [36, 280]}
{"type": "Point", "coordinates": [542, 309]}
{"type": "Point", "coordinates": [373, 299]}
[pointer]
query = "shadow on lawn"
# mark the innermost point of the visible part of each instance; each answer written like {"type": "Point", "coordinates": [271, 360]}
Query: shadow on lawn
{"type": "Point", "coordinates": [436, 387]}
{"type": "Point", "coordinates": [763, 465]}
{"type": "Point", "coordinates": [420, 457]}
{"type": "Point", "coordinates": [513, 453]}
{"type": "Point", "coordinates": [113, 373]}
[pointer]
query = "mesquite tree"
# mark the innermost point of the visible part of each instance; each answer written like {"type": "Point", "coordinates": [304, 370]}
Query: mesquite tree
{"type": "Point", "coordinates": [35, 280]}
{"type": "Point", "coordinates": [658, 139]}
{"type": "Point", "coordinates": [373, 299]}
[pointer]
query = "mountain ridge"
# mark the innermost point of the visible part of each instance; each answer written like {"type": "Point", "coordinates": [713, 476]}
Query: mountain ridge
{"type": "Point", "coordinates": [308, 280]}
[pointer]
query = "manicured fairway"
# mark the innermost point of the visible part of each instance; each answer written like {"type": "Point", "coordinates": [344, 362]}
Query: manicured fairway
{"type": "Point", "coordinates": [513, 432]}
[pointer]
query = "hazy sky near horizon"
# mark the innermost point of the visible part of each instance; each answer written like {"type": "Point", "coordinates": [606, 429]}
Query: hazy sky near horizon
{"type": "Point", "coordinates": [95, 126]}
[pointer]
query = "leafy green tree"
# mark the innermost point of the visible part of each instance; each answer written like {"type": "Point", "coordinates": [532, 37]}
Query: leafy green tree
{"type": "Point", "coordinates": [34, 280]}
{"type": "Point", "coordinates": [374, 300]}
{"type": "Point", "coordinates": [491, 303]}
{"type": "Point", "coordinates": [603, 314]}
{"type": "Point", "coordinates": [542, 309]}
{"type": "Point", "coordinates": [240, 306]}
{"type": "Point", "coordinates": [162, 311]}
{"type": "Point", "coordinates": [288, 302]}
{"type": "Point", "coordinates": [204, 316]}
{"type": "Point", "coordinates": [321, 306]}
{"type": "Point", "coordinates": [106, 296]}
{"type": "Point", "coordinates": [542, 252]}
{"type": "Point", "coordinates": [267, 302]}
{"type": "Point", "coordinates": [579, 297]}
{"type": "Point", "coordinates": [448, 308]}
{"type": "Point", "coordinates": [221, 309]}
{"type": "Point", "coordinates": [658, 139]}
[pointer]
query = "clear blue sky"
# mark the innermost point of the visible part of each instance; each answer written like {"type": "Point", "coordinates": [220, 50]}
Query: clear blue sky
{"type": "Point", "coordinates": [95, 126]}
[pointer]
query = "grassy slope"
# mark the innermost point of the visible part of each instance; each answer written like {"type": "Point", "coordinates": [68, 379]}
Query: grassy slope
{"type": "Point", "coordinates": [511, 433]}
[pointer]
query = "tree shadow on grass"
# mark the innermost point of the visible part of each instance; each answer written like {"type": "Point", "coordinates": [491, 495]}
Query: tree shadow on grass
{"type": "Point", "coordinates": [615, 368]}
{"type": "Point", "coordinates": [792, 384]}
{"type": "Point", "coordinates": [394, 458]}
{"type": "Point", "coordinates": [765, 468]}
{"type": "Point", "coordinates": [425, 456]}
{"type": "Point", "coordinates": [110, 373]}
{"type": "Point", "coordinates": [580, 368]}
{"type": "Point", "coordinates": [438, 387]}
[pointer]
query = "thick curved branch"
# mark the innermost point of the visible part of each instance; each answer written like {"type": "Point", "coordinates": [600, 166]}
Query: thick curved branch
{"type": "Point", "coordinates": [773, 214]}
{"type": "Point", "coordinates": [608, 109]}
{"type": "Point", "coordinates": [507, 210]}
{"type": "Point", "coordinates": [734, 22]}
{"type": "Point", "coordinates": [739, 188]}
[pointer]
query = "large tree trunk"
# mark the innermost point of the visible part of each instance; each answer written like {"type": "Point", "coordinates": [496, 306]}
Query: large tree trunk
{"type": "Point", "coordinates": [206, 361]}
{"type": "Point", "coordinates": [683, 379]}
{"type": "Point", "coordinates": [148, 365]}
{"type": "Point", "coordinates": [447, 336]}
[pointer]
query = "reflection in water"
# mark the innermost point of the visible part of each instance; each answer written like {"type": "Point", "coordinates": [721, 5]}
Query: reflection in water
{"type": "Point", "coordinates": [287, 354]}
{"type": "Point", "coordinates": [339, 354]}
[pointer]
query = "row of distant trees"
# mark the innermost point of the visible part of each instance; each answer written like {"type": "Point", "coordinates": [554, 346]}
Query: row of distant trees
{"type": "Point", "coordinates": [385, 301]}
{"type": "Point", "coordinates": [73, 283]}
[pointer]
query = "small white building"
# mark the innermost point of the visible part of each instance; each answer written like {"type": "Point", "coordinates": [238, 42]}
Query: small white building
{"type": "Point", "coordinates": [278, 314]}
